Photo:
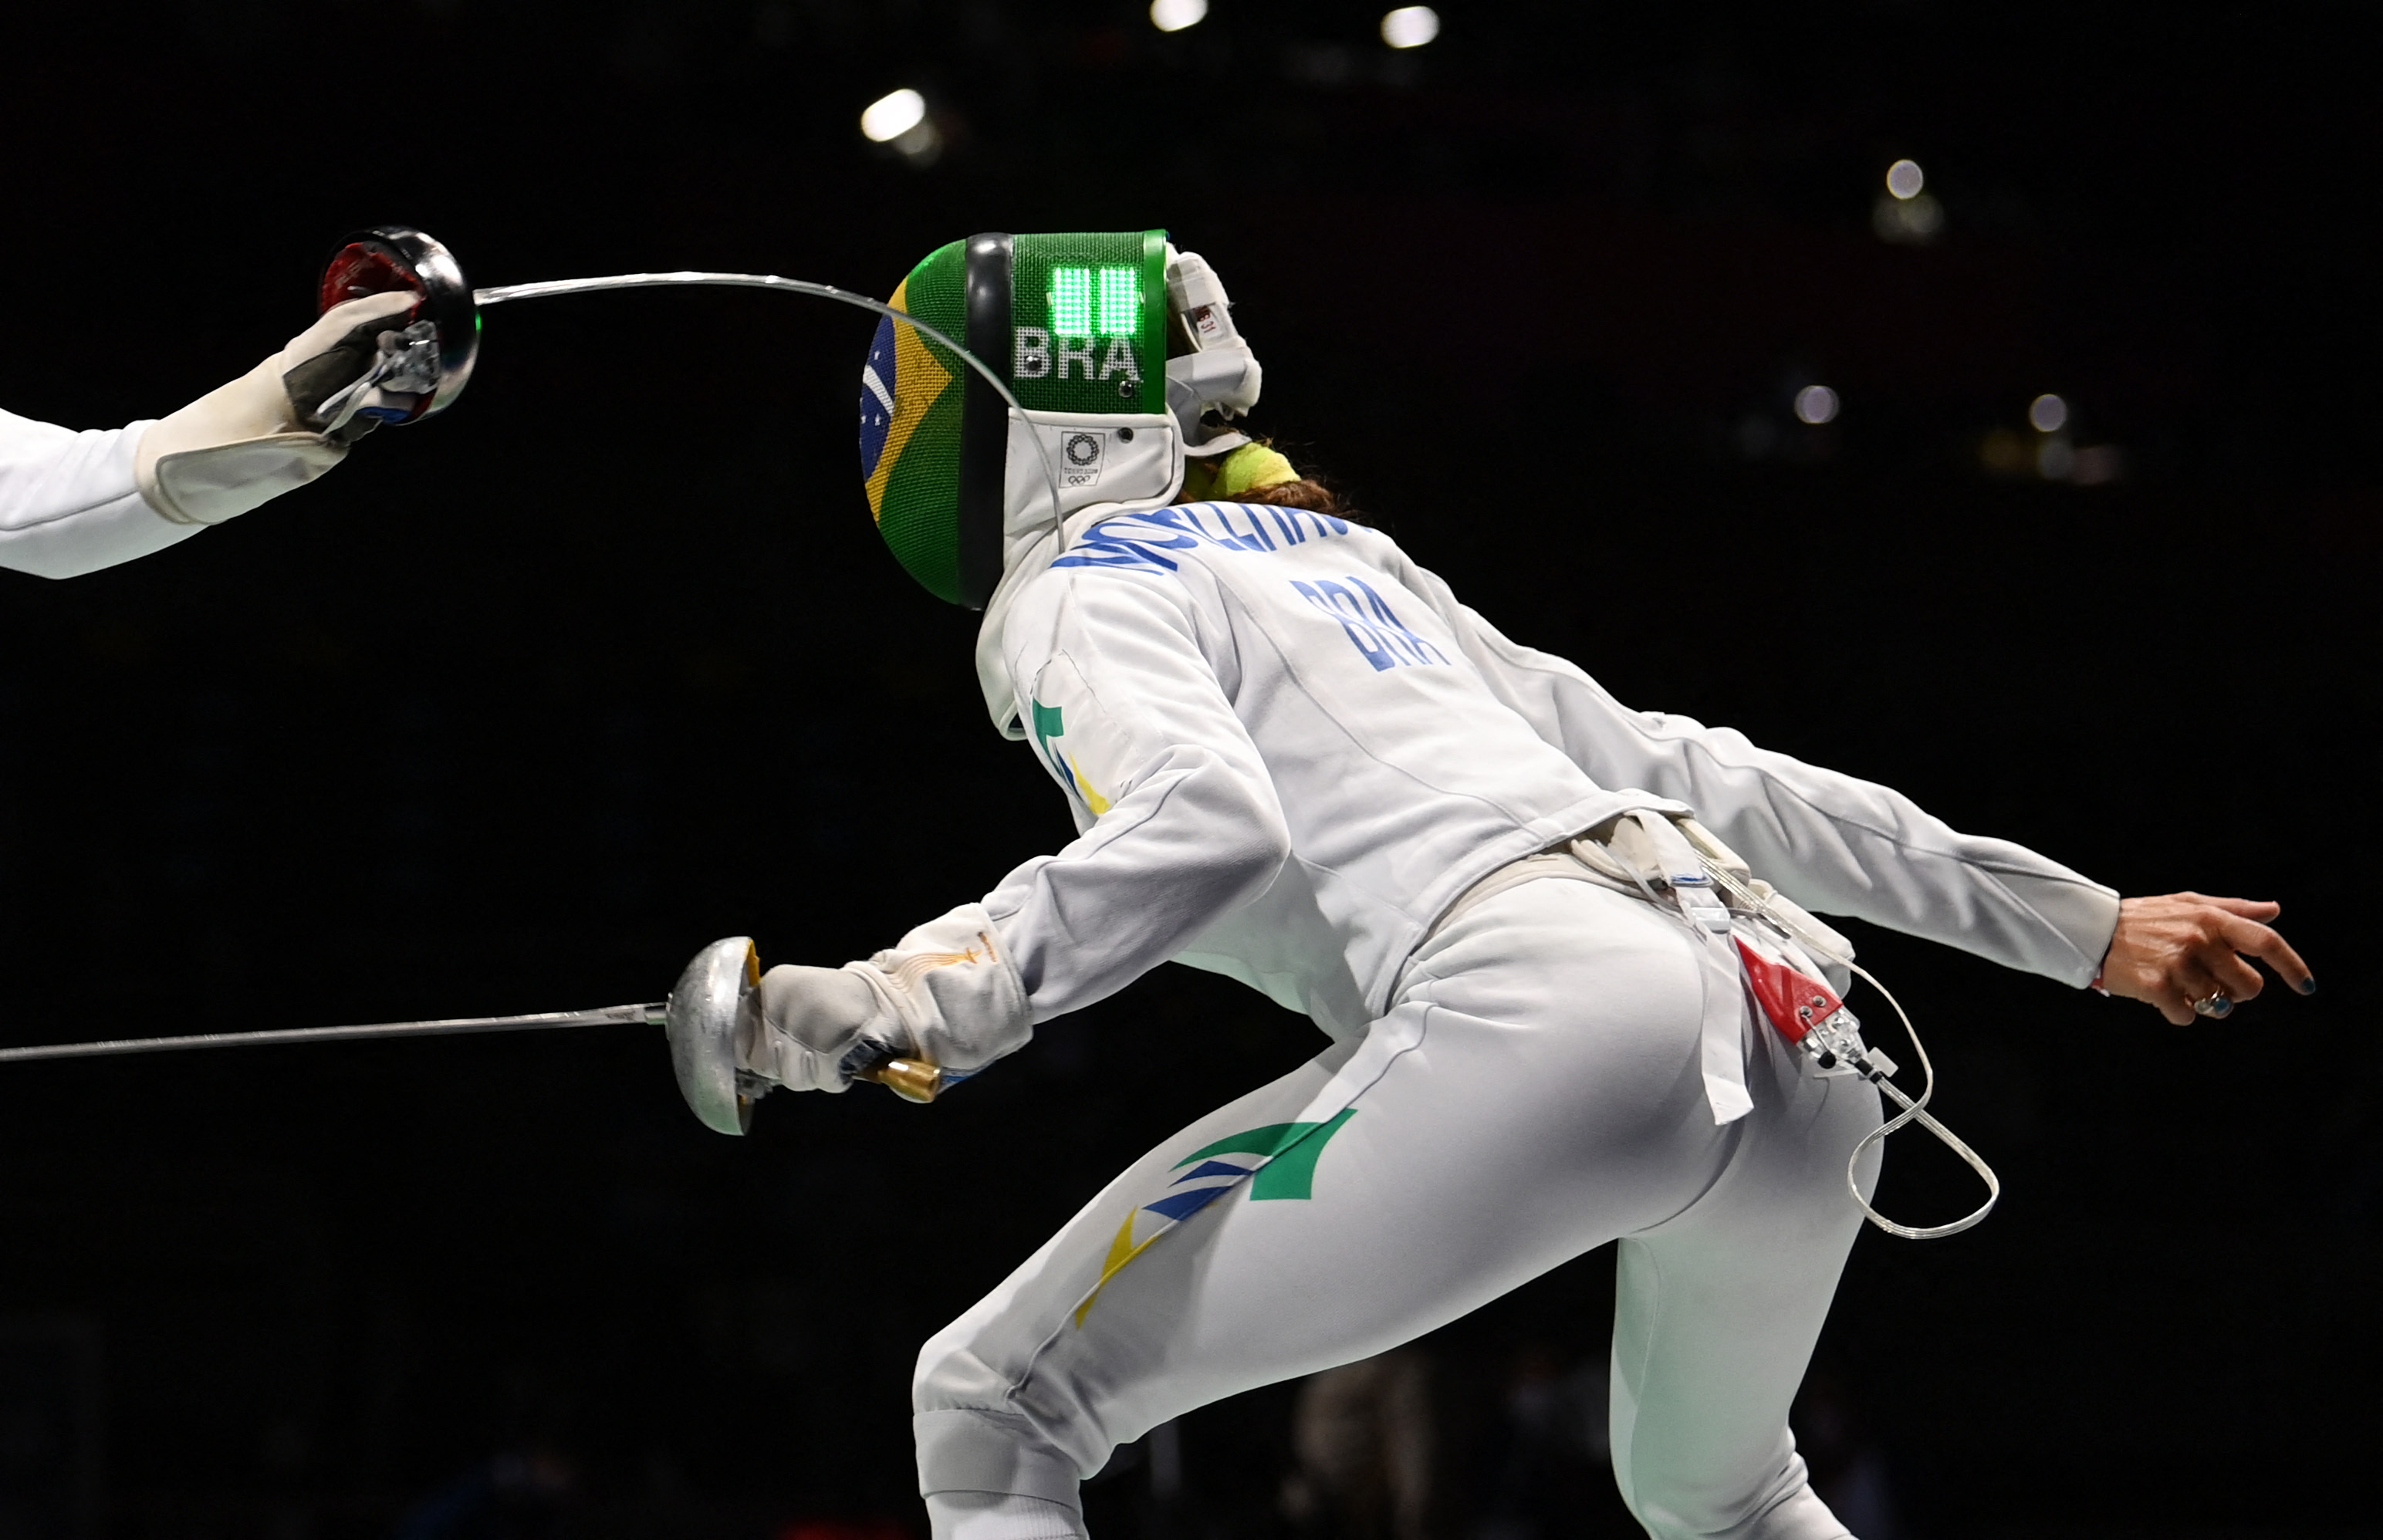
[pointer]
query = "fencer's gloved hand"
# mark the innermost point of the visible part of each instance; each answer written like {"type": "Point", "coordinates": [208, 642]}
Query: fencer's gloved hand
{"type": "Point", "coordinates": [803, 1027]}
{"type": "Point", "coordinates": [947, 995]}
{"type": "Point", "coordinates": [246, 443]}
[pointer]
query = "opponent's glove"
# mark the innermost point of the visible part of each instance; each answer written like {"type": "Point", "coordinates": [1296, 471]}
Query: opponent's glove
{"type": "Point", "coordinates": [946, 996]}
{"type": "Point", "coordinates": [246, 443]}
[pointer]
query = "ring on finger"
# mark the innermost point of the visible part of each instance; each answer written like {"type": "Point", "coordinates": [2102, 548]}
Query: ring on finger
{"type": "Point", "coordinates": [2213, 1004]}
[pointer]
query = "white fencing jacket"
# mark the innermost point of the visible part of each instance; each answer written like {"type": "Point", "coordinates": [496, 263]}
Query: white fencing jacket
{"type": "Point", "coordinates": [68, 500]}
{"type": "Point", "coordinates": [1289, 750]}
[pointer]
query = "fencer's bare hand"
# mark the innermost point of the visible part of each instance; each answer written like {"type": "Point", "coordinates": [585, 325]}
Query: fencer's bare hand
{"type": "Point", "coordinates": [2180, 947]}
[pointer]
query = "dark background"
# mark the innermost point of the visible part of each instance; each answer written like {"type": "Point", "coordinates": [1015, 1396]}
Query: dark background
{"type": "Point", "coordinates": [521, 708]}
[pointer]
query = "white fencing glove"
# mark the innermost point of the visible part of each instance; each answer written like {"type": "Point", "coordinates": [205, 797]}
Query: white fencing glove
{"type": "Point", "coordinates": [947, 995]}
{"type": "Point", "coordinates": [246, 443]}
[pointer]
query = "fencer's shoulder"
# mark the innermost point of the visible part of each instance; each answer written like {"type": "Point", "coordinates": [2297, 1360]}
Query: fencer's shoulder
{"type": "Point", "coordinates": [1167, 540]}
{"type": "Point", "coordinates": [1086, 612]}
{"type": "Point", "coordinates": [1067, 595]}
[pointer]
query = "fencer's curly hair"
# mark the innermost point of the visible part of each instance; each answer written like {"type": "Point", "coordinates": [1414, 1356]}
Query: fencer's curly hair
{"type": "Point", "coordinates": [1306, 493]}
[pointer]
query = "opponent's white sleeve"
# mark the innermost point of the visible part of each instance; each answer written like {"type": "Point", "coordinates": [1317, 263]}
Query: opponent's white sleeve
{"type": "Point", "coordinates": [1179, 820]}
{"type": "Point", "coordinates": [69, 500]}
{"type": "Point", "coordinates": [1832, 843]}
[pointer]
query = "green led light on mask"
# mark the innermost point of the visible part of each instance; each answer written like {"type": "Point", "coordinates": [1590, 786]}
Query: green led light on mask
{"type": "Point", "coordinates": [1120, 302]}
{"type": "Point", "coordinates": [1078, 309]}
{"type": "Point", "coordinates": [1071, 302]}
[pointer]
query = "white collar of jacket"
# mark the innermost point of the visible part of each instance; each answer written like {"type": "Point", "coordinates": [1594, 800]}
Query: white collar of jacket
{"type": "Point", "coordinates": [1126, 460]}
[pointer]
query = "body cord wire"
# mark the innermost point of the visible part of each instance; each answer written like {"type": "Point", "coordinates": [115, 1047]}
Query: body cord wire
{"type": "Point", "coordinates": [1913, 1110]}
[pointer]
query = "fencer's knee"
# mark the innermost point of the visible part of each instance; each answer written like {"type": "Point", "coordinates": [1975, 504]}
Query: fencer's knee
{"type": "Point", "coordinates": [933, 1380]}
{"type": "Point", "coordinates": [973, 1437]}
{"type": "Point", "coordinates": [988, 1450]}
{"type": "Point", "coordinates": [950, 1374]}
{"type": "Point", "coordinates": [1782, 1508]}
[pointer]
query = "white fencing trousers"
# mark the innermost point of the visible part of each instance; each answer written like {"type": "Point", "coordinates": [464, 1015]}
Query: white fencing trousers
{"type": "Point", "coordinates": [1534, 1091]}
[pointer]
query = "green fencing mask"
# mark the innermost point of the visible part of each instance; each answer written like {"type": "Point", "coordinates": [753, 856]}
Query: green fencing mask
{"type": "Point", "coordinates": [1078, 326]}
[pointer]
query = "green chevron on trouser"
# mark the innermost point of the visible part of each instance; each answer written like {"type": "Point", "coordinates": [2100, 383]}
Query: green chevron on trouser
{"type": "Point", "coordinates": [1295, 1148]}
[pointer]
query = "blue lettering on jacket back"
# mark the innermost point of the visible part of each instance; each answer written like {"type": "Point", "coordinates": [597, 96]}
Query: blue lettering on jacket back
{"type": "Point", "coordinates": [1140, 542]}
{"type": "Point", "coordinates": [1379, 634]}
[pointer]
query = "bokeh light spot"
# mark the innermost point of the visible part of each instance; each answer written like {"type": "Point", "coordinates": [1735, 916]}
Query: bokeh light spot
{"type": "Point", "coordinates": [1409, 26]}
{"type": "Point", "coordinates": [2047, 414]}
{"type": "Point", "coordinates": [1815, 404]}
{"type": "Point", "coordinates": [892, 115]}
{"type": "Point", "coordinates": [1173, 16]}
{"type": "Point", "coordinates": [1905, 178]}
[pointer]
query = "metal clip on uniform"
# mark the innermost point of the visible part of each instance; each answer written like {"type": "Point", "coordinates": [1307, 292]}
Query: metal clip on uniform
{"type": "Point", "coordinates": [1661, 856]}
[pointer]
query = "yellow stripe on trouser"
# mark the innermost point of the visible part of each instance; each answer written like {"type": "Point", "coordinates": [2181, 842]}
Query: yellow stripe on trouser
{"type": "Point", "coordinates": [1121, 1251]}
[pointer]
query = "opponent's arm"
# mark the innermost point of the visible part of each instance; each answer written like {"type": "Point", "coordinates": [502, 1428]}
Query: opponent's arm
{"type": "Point", "coordinates": [70, 503]}
{"type": "Point", "coordinates": [75, 502]}
{"type": "Point", "coordinates": [1179, 824]}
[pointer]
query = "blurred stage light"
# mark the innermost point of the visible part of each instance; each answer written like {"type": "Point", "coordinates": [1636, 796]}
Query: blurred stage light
{"type": "Point", "coordinates": [899, 122]}
{"type": "Point", "coordinates": [1173, 16]}
{"type": "Point", "coordinates": [1815, 404]}
{"type": "Point", "coordinates": [892, 115]}
{"type": "Point", "coordinates": [1409, 26]}
{"type": "Point", "coordinates": [2048, 413]}
{"type": "Point", "coordinates": [2056, 457]}
{"type": "Point", "coordinates": [1906, 215]}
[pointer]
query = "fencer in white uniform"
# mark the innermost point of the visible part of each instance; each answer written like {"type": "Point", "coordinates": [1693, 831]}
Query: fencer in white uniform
{"type": "Point", "coordinates": [75, 502]}
{"type": "Point", "coordinates": [1295, 759]}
